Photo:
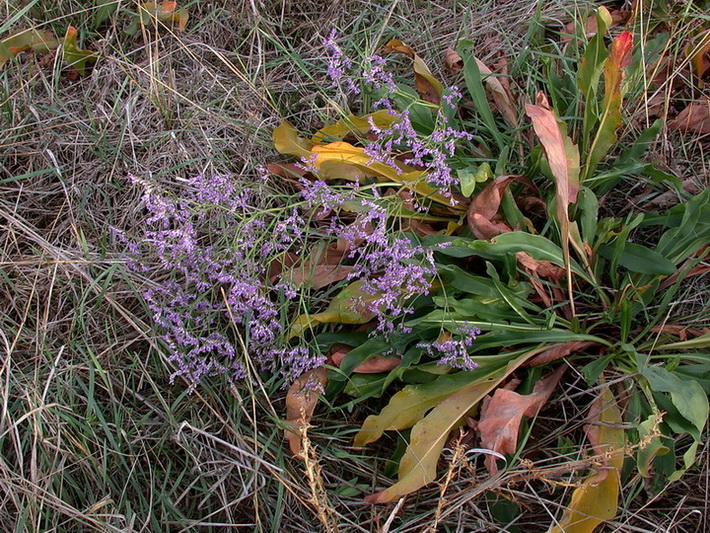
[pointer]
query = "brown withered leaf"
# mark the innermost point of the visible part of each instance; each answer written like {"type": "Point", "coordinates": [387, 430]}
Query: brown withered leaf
{"type": "Point", "coordinates": [428, 86]}
{"type": "Point", "coordinates": [453, 61]}
{"type": "Point", "coordinates": [502, 414]}
{"type": "Point", "coordinates": [693, 119]}
{"type": "Point", "coordinates": [499, 91]}
{"type": "Point", "coordinates": [301, 400]}
{"type": "Point", "coordinates": [680, 331]}
{"type": "Point", "coordinates": [484, 207]}
{"type": "Point", "coordinates": [374, 365]}
{"type": "Point", "coordinates": [316, 276]}
{"type": "Point", "coordinates": [590, 26]}
{"type": "Point", "coordinates": [559, 351]}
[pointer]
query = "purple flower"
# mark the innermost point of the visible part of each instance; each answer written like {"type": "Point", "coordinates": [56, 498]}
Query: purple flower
{"type": "Point", "coordinates": [454, 352]}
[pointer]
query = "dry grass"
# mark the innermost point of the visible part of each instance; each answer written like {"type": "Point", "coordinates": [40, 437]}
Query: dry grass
{"type": "Point", "coordinates": [93, 437]}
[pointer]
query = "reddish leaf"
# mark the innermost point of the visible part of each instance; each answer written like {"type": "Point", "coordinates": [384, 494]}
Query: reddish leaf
{"type": "Point", "coordinates": [301, 400]}
{"type": "Point", "coordinates": [558, 352]}
{"type": "Point", "coordinates": [484, 208]}
{"type": "Point", "coordinates": [374, 365]}
{"type": "Point", "coordinates": [693, 119]}
{"type": "Point", "coordinates": [502, 414]}
{"type": "Point", "coordinates": [563, 157]}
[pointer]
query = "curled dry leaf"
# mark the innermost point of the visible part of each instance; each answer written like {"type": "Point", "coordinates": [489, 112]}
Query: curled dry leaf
{"type": "Point", "coordinates": [502, 98]}
{"type": "Point", "coordinates": [301, 400]}
{"type": "Point", "coordinates": [559, 351]}
{"type": "Point", "coordinates": [428, 86]}
{"type": "Point", "coordinates": [484, 208]}
{"type": "Point", "coordinates": [590, 26]}
{"type": "Point", "coordinates": [693, 119]}
{"type": "Point", "coordinates": [502, 414]}
{"type": "Point", "coordinates": [374, 365]}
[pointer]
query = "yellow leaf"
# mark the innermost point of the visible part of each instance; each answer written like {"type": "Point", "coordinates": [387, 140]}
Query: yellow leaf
{"type": "Point", "coordinates": [597, 499]}
{"type": "Point", "coordinates": [343, 152]}
{"type": "Point", "coordinates": [356, 125]}
{"type": "Point", "coordinates": [287, 141]}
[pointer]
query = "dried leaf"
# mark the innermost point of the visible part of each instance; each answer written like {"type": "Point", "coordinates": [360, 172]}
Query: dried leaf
{"type": "Point", "coordinates": [428, 86]}
{"type": "Point", "coordinates": [484, 208]}
{"type": "Point", "coordinates": [317, 276]}
{"type": "Point", "coordinates": [374, 365]}
{"type": "Point", "coordinates": [559, 351]}
{"type": "Point", "coordinates": [502, 98]}
{"type": "Point", "coordinates": [301, 400]}
{"type": "Point", "coordinates": [597, 499]}
{"type": "Point", "coordinates": [693, 119]}
{"type": "Point", "coordinates": [501, 416]}
{"type": "Point", "coordinates": [26, 40]}
{"type": "Point", "coordinates": [563, 157]}
{"type": "Point", "coordinates": [616, 17]}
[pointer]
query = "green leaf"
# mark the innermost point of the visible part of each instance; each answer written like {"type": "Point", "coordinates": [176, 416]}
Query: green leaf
{"type": "Point", "coordinates": [638, 258]}
{"type": "Point", "coordinates": [651, 445]}
{"type": "Point", "coordinates": [686, 394]}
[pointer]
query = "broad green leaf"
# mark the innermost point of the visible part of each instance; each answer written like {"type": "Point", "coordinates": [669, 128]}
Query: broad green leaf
{"type": "Point", "coordinates": [25, 40]}
{"type": "Point", "coordinates": [686, 394]}
{"type": "Point", "coordinates": [418, 465]}
{"type": "Point", "coordinates": [650, 444]}
{"type": "Point", "coordinates": [638, 258]}
{"type": "Point", "coordinates": [537, 247]}
{"type": "Point", "coordinates": [610, 120]}
{"type": "Point", "coordinates": [349, 306]}
{"type": "Point", "coordinates": [703, 341]}
{"type": "Point", "coordinates": [288, 142]}
{"type": "Point", "coordinates": [692, 232]}
{"type": "Point", "coordinates": [597, 499]}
